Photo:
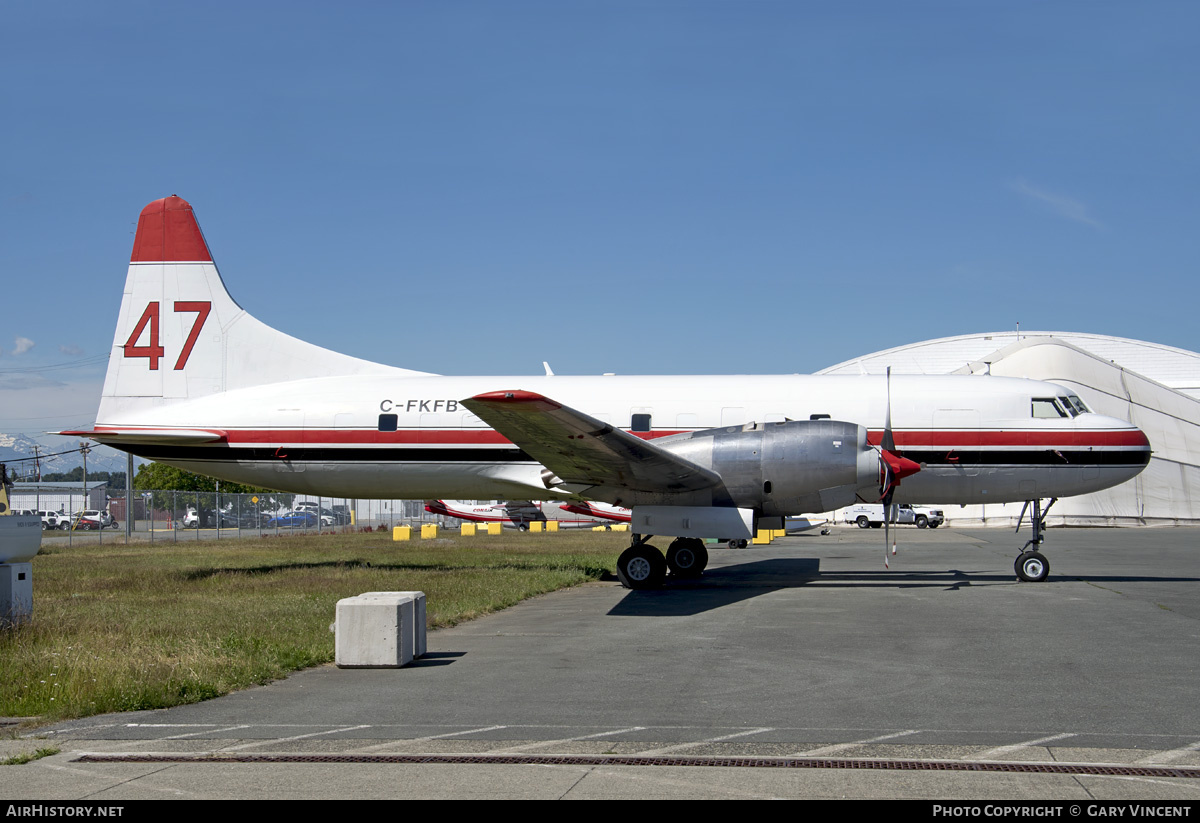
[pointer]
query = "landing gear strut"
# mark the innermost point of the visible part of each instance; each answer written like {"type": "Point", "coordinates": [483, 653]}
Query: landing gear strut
{"type": "Point", "coordinates": [1031, 565]}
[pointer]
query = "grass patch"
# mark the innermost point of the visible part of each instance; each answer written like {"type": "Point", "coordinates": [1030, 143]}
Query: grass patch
{"type": "Point", "coordinates": [146, 626]}
{"type": "Point", "coordinates": [29, 757]}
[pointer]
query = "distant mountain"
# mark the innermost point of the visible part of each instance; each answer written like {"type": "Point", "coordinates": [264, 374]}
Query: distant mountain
{"type": "Point", "coordinates": [14, 448]}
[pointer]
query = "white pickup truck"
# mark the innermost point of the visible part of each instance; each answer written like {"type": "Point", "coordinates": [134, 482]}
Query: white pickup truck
{"type": "Point", "coordinates": [870, 515]}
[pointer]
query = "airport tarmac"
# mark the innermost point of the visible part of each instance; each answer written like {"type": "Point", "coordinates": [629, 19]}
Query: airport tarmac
{"type": "Point", "coordinates": [799, 670]}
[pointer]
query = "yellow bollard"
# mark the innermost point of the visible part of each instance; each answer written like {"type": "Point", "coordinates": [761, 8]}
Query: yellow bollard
{"type": "Point", "coordinates": [428, 530]}
{"type": "Point", "coordinates": [763, 537]}
{"type": "Point", "coordinates": [468, 529]}
{"type": "Point", "coordinates": [494, 528]}
{"type": "Point", "coordinates": [401, 532]}
{"type": "Point", "coordinates": [551, 525]}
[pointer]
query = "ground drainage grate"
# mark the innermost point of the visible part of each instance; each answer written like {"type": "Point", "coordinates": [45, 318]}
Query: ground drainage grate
{"type": "Point", "coordinates": [633, 760]}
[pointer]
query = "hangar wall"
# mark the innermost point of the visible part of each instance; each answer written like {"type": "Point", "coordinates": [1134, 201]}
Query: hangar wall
{"type": "Point", "coordinates": [1098, 369]}
{"type": "Point", "coordinates": [1163, 494]}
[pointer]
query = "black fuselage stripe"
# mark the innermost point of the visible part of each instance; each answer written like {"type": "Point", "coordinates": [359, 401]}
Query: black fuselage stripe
{"type": "Point", "coordinates": [1048, 457]}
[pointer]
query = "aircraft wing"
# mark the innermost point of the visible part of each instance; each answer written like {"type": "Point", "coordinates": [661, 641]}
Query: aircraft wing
{"type": "Point", "coordinates": [584, 451]}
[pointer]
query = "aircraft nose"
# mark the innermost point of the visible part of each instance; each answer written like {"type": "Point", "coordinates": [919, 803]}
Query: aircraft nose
{"type": "Point", "coordinates": [1126, 446]}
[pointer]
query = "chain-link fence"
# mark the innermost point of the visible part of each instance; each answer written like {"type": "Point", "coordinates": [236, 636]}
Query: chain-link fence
{"type": "Point", "coordinates": [179, 515]}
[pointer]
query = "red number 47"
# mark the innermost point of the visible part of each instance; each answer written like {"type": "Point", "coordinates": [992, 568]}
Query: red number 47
{"type": "Point", "coordinates": [153, 350]}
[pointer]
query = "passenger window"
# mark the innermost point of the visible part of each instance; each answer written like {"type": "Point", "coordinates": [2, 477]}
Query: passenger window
{"type": "Point", "coordinates": [387, 422]}
{"type": "Point", "coordinates": [1046, 407]}
{"type": "Point", "coordinates": [639, 423]}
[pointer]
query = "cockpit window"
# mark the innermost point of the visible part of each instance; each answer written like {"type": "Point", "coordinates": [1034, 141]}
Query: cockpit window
{"type": "Point", "coordinates": [1079, 407]}
{"type": "Point", "coordinates": [1047, 407]}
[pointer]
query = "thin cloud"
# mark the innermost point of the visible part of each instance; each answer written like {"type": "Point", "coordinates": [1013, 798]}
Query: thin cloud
{"type": "Point", "coordinates": [1062, 206]}
{"type": "Point", "coordinates": [22, 345]}
{"type": "Point", "coordinates": [72, 350]}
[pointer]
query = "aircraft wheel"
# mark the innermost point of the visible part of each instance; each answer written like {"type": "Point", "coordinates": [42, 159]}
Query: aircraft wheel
{"type": "Point", "coordinates": [687, 557]}
{"type": "Point", "coordinates": [922, 522]}
{"type": "Point", "coordinates": [863, 522]}
{"type": "Point", "coordinates": [521, 527]}
{"type": "Point", "coordinates": [641, 567]}
{"type": "Point", "coordinates": [1032, 567]}
{"type": "Point", "coordinates": [738, 544]}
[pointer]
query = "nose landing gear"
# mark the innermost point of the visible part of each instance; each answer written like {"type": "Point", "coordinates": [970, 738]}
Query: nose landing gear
{"type": "Point", "coordinates": [1031, 565]}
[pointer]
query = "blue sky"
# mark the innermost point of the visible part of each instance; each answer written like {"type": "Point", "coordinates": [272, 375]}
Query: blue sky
{"type": "Point", "coordinates": [631, 187]}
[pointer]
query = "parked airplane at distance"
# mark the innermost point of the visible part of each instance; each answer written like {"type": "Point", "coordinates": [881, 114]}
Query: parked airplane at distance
{"type": "Point", "coordinates": [196, 382]}
{"type": "Point", "coordinates": [520, 514]}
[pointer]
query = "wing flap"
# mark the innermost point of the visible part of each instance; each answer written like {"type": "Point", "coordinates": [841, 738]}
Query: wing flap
{"type": "Point", "coordinates": [582, 450]}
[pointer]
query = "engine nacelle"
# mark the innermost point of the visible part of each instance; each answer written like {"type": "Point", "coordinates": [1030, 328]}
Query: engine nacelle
{"type": "Point", "coordinates": [785, 468]}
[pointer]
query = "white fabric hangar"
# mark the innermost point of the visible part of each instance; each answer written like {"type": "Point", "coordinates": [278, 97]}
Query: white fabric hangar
{"type": "Point", "coordinates": [1155, 387]}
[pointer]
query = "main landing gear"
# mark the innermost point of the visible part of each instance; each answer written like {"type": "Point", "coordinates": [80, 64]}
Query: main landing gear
{"type": "Point", "coordinates": [1031, 565]}
{"type": "Point", "coordinates": [642, 566]}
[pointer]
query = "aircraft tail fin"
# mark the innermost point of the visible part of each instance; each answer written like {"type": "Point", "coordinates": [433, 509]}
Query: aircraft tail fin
{"type": "Point", "coordinates": [180, 335]}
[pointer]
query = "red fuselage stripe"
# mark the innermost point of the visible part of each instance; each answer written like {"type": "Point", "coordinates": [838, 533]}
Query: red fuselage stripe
{"type": "Point", "coordinates": [475, 437]}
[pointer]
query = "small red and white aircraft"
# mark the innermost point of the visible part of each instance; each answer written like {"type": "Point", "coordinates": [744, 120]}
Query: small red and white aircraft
{"type": "Point", "coordinates": [196, 382]}
{"type": "Point", "coordinates": [520, 514]}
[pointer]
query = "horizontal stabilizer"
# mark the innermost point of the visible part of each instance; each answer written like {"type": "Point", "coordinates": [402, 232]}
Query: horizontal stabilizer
{"type": "Point", "coordinates": [582, 450]}
{"type": "Point", "coordinates": [182, 437]}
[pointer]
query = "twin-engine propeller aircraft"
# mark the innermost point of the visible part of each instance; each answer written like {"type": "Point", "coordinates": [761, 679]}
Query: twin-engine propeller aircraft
{"type": "Point", "coordinates": [196, 382]}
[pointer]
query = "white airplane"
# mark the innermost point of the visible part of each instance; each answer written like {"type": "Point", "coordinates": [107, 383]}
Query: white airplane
{"type": "Point", "coordinates": [196, 382]}
{"type": "Point", "coordinates": [597, 511]}
{"type": "Point", "coordinates": [520, 514]}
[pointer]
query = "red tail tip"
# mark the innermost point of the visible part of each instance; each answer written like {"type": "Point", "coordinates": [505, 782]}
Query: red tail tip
{"type": "Point", "coordinates": [167, 232]}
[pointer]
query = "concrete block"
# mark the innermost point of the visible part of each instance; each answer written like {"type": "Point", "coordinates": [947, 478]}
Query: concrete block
{"type": "Point", "coordinates": [551, 525]}
{"type": "Point", "coordinates": [429, 530]}
{"type": "Point", "coordinates": [468, 530]}
{"type": "Point", "coordinates": [494, 528]}
{"type": "Point", "coordinates": [380, 630]}
{"type": "Point", "coordinates": [536, 526]}
{"type": "Point", "coordinates": [16, 593]}
{"type": "Point", "coordinates": [401, 532]}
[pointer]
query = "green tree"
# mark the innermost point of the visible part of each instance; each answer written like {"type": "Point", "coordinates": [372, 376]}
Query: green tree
{"type": "Point", "coordinates": [163, 479]}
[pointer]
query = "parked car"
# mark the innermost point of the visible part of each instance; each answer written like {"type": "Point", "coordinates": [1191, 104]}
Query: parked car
{"type": "Point", "coordinates": [293, 520]}
{"type": "Point", "coordinates": [329, 517]}
{"type": "Point", "coordinates": [206, 519]}
{"type": "Point", "coordinates": [55, 520]}
{"type": "Point", "coordinates": [253, 519]}
{"type": "Point", "coordinates": [94, 520]}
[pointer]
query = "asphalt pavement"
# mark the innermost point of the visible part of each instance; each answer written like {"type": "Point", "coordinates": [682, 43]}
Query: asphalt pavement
{"type": "Point", "coordinates": [804, 669]}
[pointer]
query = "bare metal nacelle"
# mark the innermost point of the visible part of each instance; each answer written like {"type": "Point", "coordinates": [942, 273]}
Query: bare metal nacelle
{"type": "Point", "coordinates": [784, 468]}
